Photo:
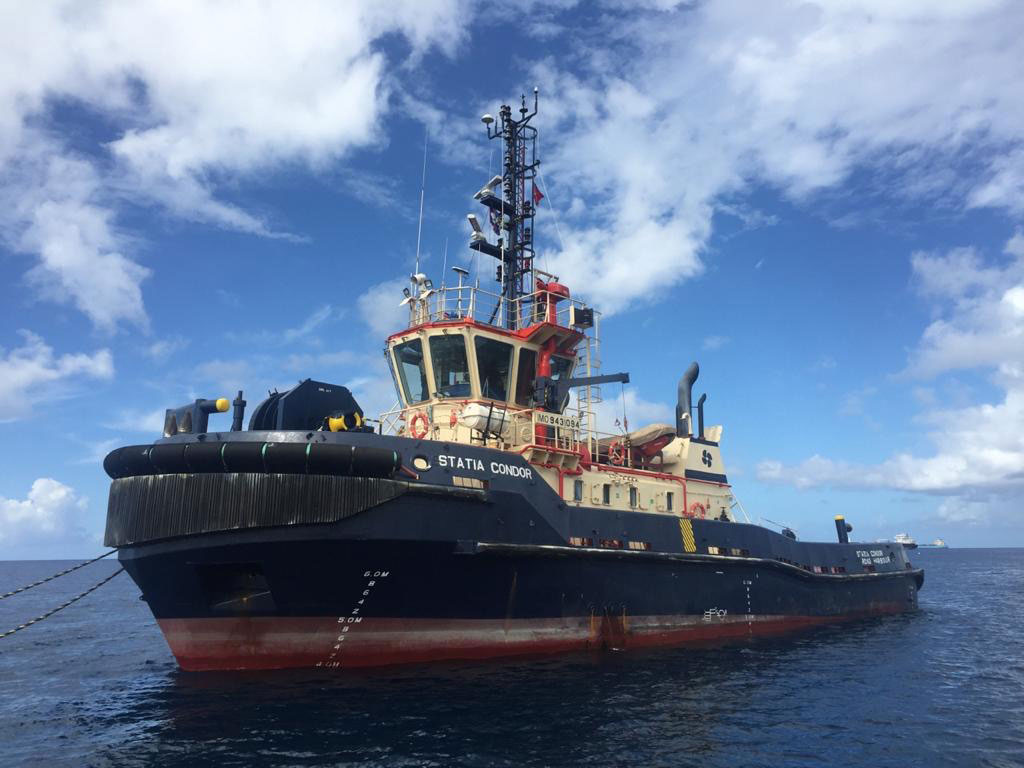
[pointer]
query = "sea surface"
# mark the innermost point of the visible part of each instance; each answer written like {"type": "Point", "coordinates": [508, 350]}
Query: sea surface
{"type": "Point", "coordinates": [96, 685]}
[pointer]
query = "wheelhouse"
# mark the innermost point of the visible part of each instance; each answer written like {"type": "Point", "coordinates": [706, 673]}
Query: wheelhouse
{"type": "Point", "coordinates": [449, 358]}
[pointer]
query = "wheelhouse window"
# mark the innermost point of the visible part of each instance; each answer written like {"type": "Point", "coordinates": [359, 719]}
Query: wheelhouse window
{"type": "Point", "coordinates": [494, 361]}
{"type": "Point", "coordinates": [525, 375]}
{"type": "Point", "coordinates": [451, 369]}
{"type": "Point", "coordinates": [412, 371]}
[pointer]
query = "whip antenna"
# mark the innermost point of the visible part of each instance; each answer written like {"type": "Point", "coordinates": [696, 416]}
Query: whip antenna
{"type": "Point", "coordinates": [423, 189]}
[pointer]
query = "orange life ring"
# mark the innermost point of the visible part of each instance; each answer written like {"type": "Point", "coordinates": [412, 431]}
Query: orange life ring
{"type": "Point", "coordinates": [419, 418]}
{"type": "Point", "coordinates": [697, 510]}
{"type": "Point", "coordinates": [616, 452]}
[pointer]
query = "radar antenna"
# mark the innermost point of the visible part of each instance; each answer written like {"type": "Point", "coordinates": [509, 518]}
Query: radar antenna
{"type": "Point", "coordinates": [511, 215]}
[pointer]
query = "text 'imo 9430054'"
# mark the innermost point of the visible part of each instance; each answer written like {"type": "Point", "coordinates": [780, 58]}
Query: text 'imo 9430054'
{"type": "Point", "coordinates": [485, 515]}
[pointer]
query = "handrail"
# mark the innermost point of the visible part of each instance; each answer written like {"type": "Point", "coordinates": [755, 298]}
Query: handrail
{"type": "Point", "coordinates": [484, 307]}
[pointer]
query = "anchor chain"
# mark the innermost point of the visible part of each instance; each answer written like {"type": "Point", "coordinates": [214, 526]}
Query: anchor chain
{"type": "Point", "coordinates": [61, 607]}
{"type": "Point", "coordinates": [56, 575]}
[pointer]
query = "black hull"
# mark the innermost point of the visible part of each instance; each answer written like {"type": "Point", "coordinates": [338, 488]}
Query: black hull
{"type": "Point", "coordinates": [262, 603]}
{"type": "Point", "coordinates": [266, 571]}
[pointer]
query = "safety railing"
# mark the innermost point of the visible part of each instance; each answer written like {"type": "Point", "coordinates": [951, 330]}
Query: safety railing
{"type": "Point", "coordinates": [561, 431]}
{"type": "Point", "coordinates": [472, 303]}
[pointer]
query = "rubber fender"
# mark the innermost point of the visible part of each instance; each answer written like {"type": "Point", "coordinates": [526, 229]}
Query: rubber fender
{"type": "Point", "coordinates": [243, 457]}
{"type": "Point", "coordinates": [112, 465]}
{"type": "Point", "coordinates": [375, 462]}
{"type": "Point", "coordinates": [168, 458]}
{"type": "Point", "coordinates": [204, 457]}
{"type": "Point", "coordinates": [329, 459]}
{"type": "Point", "coordinates": [129, 461]}
{"type": "Point", "coordinates": [285, 458]}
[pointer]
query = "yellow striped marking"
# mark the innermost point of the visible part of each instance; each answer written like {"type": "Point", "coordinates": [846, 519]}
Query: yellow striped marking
{"type": "Point", "coordinates": [686, 531]}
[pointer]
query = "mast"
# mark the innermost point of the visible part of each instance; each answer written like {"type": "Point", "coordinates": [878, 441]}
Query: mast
{"type": "Point", "coordinates": [512, 214]}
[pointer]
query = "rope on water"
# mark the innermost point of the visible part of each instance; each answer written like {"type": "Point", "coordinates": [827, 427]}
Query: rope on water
{"type": "Point", "coordinates": [61, 607]}
{"type": "Point", "coordinates": [62, 573]}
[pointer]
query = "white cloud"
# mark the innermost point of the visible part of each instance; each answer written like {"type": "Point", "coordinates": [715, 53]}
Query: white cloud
{"type": "Point", "coordinates": [1005, 187]}
{"type": "Point", "coordinates": [978, 449]}
{"type": "Point", "coordinates": [981, 323]}
{"type": "Point", "coordinates": [136, 420]}
{"type": "Point", "coordinates": [195, 95]}
{"type": "Point", "coordinates": [32, 373]}
{"type": "Point", "coordinates": [680, 111]}
{"type": "Point", "coordinates": [638, 412]}
{"type": "Point", "coordinates": [379, 307]}
{"type": "Point", "coordinates": [373, 388]}
{"type": "Point", "coordinates": [49, 511]}
{"type": "Point", "coordinates": [53, 206]}
{"type": "Point", "coordinates": [961, 510]}
{"type": "Point", "coordinates": [304, 331]}
{"type": "Point", "coordinates": [227, 375]}
{"type": "Point", "coordinates": [97, 450]}
{"type": "Point", "coordinates": [715, 342]}
{"type": "Point", "coordinates": [162, 349]}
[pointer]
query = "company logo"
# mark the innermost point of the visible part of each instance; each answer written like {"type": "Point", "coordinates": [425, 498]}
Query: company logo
{"type": "Point", "coordinates": [705, 458]}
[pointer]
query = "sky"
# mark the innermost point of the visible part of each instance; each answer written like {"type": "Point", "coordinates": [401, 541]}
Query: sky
{"type": "Point", "coordinates": [822, 203]}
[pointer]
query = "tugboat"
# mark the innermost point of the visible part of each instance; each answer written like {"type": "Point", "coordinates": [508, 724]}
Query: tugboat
{"type": "Point", "coordinates": [485, 516]}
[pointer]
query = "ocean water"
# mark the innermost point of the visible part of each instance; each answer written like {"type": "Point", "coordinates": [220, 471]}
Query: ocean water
{"type": "Point", "coordinates": [96, 685]}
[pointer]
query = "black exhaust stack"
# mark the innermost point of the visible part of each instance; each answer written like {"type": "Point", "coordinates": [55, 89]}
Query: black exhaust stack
{"type": "Point", "coordinates": [843, 529]}
{"type": "Point", "coordinates": [684, 417]}
{"type": "Point", "coordinates": [700, 415]}
{"type": "Point", "coordinates": [238, 414]}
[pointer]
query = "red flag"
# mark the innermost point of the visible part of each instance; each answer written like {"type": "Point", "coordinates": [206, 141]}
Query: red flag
{"type": "Point", "coordinates": [537, 195]}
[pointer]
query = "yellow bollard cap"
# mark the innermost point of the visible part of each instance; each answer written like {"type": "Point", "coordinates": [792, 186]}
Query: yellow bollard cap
{"type": "Point", "coordinates": [337, 425]}
{"type": "Point", "coordinates": [840, 517]}
{"type": "Point", "coordinates": [222, 404]}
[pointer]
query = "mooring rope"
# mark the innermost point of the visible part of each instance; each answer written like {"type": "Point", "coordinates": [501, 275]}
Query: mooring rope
{"type": "Point", "coordinates": [62, 573]}
{"type": "Point", "coordinates": [61, 607]}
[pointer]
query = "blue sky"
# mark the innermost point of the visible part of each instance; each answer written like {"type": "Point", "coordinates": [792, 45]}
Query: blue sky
{"type": "Point", "coordinates": [821, 204]}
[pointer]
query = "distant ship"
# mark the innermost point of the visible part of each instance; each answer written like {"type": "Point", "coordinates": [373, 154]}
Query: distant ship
{"type": "Point", "coordinates": [937, 544]}
{"type": "Point", "coordinates": [485, 515]}
{"type": "Point", "coordinates": [905, 540]}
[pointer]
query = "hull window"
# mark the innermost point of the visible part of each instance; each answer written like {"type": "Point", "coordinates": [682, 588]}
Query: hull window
{"type": "Point", "coordinates": [451, 369]}
{"type": "Point", "coordinates": [494, 361]}
{"type": "Point", "coordinates": [412, 371]}
{"type": "Point", "coordinates": [577, 490]}
{"type": "Point", "coordinates": [668, 501]}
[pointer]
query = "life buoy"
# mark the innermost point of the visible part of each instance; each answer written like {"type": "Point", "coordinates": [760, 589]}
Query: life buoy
{"type": "Point", "coordinates": [419, 418]}
{"type": "Point", "coordinates": [697, 510]}
{"type": "Point", "coordinates": [616, 452]}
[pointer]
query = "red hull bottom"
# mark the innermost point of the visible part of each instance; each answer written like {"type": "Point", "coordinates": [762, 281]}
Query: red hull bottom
{"type": "Point", "coordinates": [279, 643]}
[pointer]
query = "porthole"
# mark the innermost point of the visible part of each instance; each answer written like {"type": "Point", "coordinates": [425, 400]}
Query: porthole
{"type": "Point", "coordinates": [422, 463]}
